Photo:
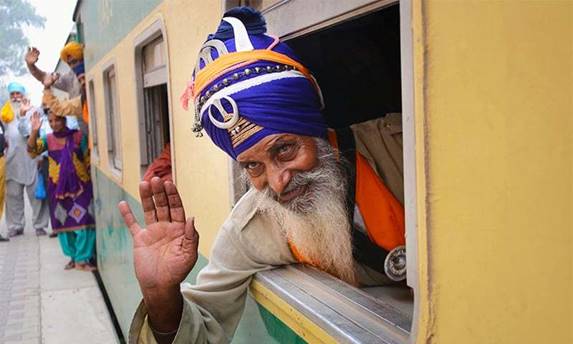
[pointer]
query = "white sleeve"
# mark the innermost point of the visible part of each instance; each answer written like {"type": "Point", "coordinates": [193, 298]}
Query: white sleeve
{"type": "Point", "coordinates": [66, 82]}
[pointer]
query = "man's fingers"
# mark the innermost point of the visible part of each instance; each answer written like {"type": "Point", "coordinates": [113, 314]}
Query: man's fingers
{"type": "Point", "coordinates": [175, 204]}
{"type": "Point", "coordinates": [146, 196]}
{"type": "Point", "coordinates": [128, 217]}
{"type": "Point", "coordinates": [160, 199]}
{"type": "Point", "coordinates": [191, 235]}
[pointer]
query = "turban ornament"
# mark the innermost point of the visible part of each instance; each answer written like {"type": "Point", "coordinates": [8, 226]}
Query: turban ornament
{"type": "Point", "coordinates": [248, 85]}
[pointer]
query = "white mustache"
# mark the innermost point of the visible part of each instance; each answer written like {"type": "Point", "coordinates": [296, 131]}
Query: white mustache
{"type": "Point", "coordinates": [308, 177]}
{"type": "Point", "coordinates": [317, 222]}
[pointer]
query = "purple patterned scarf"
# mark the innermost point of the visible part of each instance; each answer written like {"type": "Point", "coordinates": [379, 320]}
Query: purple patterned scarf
{"type": "Point", "coordinates": [68, 182]}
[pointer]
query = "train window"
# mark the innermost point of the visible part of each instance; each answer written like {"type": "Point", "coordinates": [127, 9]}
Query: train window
{"type": "Point", "coordinates": [354, 49]}
{"type": "Point", "coordinates": [113, 122]}
{"type": "Point", "coordinates": [238, 183]}
{"type": "Point", "coordinates": [93, 120]}
{"type": "Point", "coordinates": [228, 4]}
{"type": "Point", "coordinates": [79, 28]}
{"type": "Point", "coordinates": [154, 117]}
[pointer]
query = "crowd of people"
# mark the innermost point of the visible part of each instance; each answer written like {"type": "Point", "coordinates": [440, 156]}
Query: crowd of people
{"type": "Point", "coordinates": [44, 153]}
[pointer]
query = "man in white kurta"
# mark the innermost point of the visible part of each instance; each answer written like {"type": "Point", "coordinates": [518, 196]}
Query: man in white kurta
{"type": "Point", "coordinates": [21, 176]}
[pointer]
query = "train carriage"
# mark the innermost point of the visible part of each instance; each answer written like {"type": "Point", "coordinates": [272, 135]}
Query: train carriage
{"type": "Point", "coordinates": [484, 92]}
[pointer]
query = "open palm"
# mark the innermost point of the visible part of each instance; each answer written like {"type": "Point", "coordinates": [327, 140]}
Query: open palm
{"type": "Point", "coordinates": [32, 55]}
{"type": "Point", "coordinates": [165, 251]}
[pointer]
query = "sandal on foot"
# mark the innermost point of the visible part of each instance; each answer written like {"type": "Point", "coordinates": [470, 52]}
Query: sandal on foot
{"type": "Point", "coordinates": [71, 264]}
{"type": "Point", "coordinates": [86, 267]}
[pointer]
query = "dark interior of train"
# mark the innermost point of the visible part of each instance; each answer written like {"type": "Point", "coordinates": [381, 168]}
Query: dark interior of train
{"type": "Point", "coordinates": [357, 64]}
{"type": "Point", "coordinates": [157, 119]}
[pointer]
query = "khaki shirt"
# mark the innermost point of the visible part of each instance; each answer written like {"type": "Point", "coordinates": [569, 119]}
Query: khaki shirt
{"type": "Point", "coordinates": [71, 107]}
{"type": "Point", "coordinates": [213, 307]}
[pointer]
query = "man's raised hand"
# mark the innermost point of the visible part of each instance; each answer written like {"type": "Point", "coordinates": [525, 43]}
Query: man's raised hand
{"type": "Point", "coordinates": [35, 121]}
{"type": "Point", "coordinates": [25, 106]}
{"type": "Point", "coordinates": [165, 251]}
{"type": "Point", "coordinates": [50, 79]}
{"type": "Point", "coordinates": [32, 55]}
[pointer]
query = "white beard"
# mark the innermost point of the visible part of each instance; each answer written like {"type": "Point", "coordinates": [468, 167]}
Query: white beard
{"type": "Point", "coordinates": [316, 222]}
{"type": "Point", "coordinates": [16, 108]}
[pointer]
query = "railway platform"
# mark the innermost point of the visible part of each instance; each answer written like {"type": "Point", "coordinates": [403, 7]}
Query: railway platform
{"type": "Point", "coordinates": [40, 302]}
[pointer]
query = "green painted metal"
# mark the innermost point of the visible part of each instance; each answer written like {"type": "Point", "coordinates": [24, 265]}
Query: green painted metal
{"type": "Point", "coordinates": [115, 264]}
{"type": "Point", "coordinates": [278, 330]}
{"type": "Point", "coordinates": [105, 22]}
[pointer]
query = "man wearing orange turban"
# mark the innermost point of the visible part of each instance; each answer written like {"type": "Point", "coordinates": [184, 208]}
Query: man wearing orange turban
{"type": "Point", "coordinates": [72, 55]}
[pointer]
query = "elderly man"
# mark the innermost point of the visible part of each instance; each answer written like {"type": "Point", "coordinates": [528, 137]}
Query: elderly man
{"type": "Point", "coordinates": [21, 170]}
{"type": "Point", "coordinates": [262, 107]}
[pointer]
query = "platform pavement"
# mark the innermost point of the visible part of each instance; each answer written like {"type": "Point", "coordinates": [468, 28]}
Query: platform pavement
{"type": "Point", "coordinates": [41, 303]}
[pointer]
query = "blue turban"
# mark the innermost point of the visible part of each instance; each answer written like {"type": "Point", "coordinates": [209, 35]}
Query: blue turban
{"type": "Point", "coordinates": [16, 87]}
{"type": "Point", "coordinates": [245, 100]}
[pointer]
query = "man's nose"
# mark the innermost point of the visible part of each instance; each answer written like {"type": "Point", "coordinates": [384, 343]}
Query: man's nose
{"type": "Point", "coordinates": [278, 179]}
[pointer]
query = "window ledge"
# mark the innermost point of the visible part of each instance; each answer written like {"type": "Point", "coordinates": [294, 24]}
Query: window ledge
{"type": "Point", "coordinates": [346, 314]}
{"type": "Point", "coordinates": [116, 173]}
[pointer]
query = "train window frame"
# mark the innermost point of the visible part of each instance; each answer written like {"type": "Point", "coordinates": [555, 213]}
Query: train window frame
{"type": "Point", "coordinates": [92, 109]}
{"type": "Point", "coordinates": [296, 284]}
{"type": "Point", "coordinates": [156, 78]}
{"type": "Point", "coordinates": [228, 4]}
{"type": "Point", "coordinates": [113, 119]}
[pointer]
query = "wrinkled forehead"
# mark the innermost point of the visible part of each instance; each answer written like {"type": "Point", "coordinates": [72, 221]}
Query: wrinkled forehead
{"type": "Point", "coordinates": [15, 94]}
{"type": "Point", "coordinates": [265, 146]}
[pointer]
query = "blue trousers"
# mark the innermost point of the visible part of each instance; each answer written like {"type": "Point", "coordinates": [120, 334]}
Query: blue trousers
{"type": "Point", "coordinates": [78, 245]}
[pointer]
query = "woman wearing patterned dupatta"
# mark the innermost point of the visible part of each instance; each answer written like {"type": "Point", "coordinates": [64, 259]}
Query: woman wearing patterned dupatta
{"type": "Point", "coordinates": [69, 188]}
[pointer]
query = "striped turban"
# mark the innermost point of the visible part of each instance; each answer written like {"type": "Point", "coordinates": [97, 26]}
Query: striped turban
{"type": "Point", "coordinates": [248, 85]}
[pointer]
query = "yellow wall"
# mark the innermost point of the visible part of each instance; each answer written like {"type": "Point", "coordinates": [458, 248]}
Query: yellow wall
{"type": "Point", "coordinates": [494, 90]}
{"type": "Point", "coordinates": [201, 168]}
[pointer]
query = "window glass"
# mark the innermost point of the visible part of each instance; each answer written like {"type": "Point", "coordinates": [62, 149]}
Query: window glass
{"type": "Point", "coordinates": [114, 130]}
{"type": "Point", "coordinates": [93, 118]}
{"type": "Point", "coordinates": [154, 119]}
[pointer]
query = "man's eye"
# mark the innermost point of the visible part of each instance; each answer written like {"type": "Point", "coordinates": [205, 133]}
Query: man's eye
{"type": "Point", "coordinates": [286, 151]}
{"type": "Point", "coordinates": [253, 168]}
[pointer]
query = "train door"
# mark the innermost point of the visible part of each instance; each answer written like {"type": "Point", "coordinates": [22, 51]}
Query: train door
{"type": "Point", "coordinates": [358, 51]}
{"type": "Point", "coordinates": [153, 100]}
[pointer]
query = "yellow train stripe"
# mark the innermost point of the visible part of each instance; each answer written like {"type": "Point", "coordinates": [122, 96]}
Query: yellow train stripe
{"type": "Point", "coordinates": [295, 320]}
